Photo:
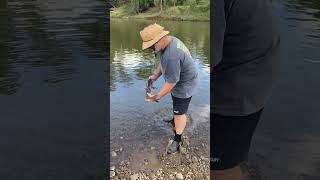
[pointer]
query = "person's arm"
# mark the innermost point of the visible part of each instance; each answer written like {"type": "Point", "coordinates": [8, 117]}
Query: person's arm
{"type": "Point", "coordinates": [164, 90]}
{"type": "Point", "coordinates": [171, 77]}
{"type": "Point", "coordinates": [157, 73]}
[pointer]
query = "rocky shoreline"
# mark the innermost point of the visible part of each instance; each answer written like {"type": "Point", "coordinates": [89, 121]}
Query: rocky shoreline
{"type": "Point", "coordinates": [139, 152]}
{"type": "Point", "coordinates": [186, 165]}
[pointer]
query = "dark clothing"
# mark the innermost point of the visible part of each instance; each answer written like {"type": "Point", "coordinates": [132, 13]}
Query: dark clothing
{"type": "Point", "coordinates": [180, 105]}
{"type": "Point", "coordinates": [245, 49]}
{"type": "Point", "coordinates": [230, 139]}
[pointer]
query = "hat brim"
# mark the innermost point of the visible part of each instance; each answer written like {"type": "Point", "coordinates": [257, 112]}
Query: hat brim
{"type": "Point", "coordinates": [146, 45]}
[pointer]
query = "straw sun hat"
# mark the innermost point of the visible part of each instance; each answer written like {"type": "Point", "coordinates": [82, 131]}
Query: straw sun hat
{"type": "Point", "coordinates": [151, 35]}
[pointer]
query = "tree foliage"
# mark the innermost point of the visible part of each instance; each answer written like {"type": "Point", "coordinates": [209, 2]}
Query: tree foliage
{"type": "Point", "coordinates": [141, 5]}
{"type": "Point", "coordinates": [138, 6]}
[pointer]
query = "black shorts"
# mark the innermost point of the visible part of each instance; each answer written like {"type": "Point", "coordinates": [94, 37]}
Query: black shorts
{"type": "Point", "coordinates": [180, 105]}
{"type": "Point", "coordinates": [230, 138]}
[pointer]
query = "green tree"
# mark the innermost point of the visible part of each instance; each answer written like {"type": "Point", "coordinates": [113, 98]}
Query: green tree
{"type": "Point", "coordinates": [141, 5]}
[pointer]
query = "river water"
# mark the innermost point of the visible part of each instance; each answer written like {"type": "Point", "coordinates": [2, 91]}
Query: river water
{"type": "Point", "coordinates": [53, 89]}
{"type": "Point", "coordinates": [287, 141]}
{"type": "Point", "coordinates": [53, 92]}
{"type": "Point", "coordinates": [136, 124]}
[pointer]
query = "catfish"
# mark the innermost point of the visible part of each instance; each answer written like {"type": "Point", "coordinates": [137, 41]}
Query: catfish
{"type": "Point", "coordinates": [149, 87]}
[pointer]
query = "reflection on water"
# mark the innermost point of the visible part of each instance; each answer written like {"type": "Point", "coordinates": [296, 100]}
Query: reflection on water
{"type": "Point", "coordinates": [128, 62]}
{"type": "Point", "coordinates": [134, 119]}
{"type": "Point", "coordinates": [38, 35]}
{"type": "Point", "coordinates": [52, 89]}
{"type": "Point", "coordinates": [287, 142]}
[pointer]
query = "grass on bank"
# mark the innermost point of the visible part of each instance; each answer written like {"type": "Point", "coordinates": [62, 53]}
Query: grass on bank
{"type": "Point", "coordinates": [182, 13]}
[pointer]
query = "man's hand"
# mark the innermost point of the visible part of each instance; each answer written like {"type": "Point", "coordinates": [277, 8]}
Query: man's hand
{"type": "Point", "coordinates": [153, 97]}
{"type": "Point", "coordinates": [153, 77]}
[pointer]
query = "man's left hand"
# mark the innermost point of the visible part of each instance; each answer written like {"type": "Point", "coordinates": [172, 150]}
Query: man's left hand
{"type": "Point", "coordinates": [153, 97]}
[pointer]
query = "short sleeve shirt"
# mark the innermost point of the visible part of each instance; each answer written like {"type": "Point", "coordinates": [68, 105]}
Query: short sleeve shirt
{"type": "Point", "coordinates": [245, 50]}
{"type": "Point", "coordinates": [177, 66]}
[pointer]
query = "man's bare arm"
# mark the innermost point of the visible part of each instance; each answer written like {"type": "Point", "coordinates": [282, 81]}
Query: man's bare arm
{"type": "Point", "coordinates": [157, 73]}
{"type": "Point", "coordinates": [165, 90]}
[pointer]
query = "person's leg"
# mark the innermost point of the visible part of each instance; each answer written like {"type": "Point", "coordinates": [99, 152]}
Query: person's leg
{"type": "Point", "coordinates": [180, 108]}
{"type": "Point", "coordinates": [172, 122]}
{"type": "Point", "coordinates": [180, 122]}
{"type": "Point", "coordinates": [230, 143]}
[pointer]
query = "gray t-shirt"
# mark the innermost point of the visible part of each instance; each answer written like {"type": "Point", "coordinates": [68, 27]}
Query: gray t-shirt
{"type": "Point", "coordinates": [245, 48]}
{"type": "Point", "coordinates": [177, 66]}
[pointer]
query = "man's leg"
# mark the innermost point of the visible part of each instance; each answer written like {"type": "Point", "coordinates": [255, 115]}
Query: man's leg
{"type": "Point", "coordinates": [230, 143]}
{"type": "Point", "coordinates": [180, 108]}
{"type": "Point", "coordinates": [180, 122]}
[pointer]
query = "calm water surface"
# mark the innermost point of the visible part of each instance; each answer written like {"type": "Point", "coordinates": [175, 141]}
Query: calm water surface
{"type": "Point", "coordinates": [287, 143]}
{"type": "Point", "coordinates": [134, 119]}
{"type": "Point", "coordinates": [52, 89]}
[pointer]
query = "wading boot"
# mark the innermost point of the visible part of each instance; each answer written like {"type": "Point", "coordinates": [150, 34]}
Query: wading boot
{"type": "Point", "coordinates": [173, 147]}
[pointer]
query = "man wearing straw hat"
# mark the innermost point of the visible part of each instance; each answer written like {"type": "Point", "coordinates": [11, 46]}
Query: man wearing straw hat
{"type": "Point", "coordinates": [179, 72]}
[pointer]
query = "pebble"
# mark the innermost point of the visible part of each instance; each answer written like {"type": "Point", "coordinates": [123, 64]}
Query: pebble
{"type": "Point", "coordinates": [158, 173]}
{"type": "Point", "coordinates": [179, 176]}
{"type": "Point", "coordinates": [113, 154]}
{"type": "Point", "coordinates": [112, 168]}
{"type": "Point", "coordinates": [120, 149]}
{"type": "Point", "coordinates": [121, 137]}
{"type": "Point", "coordinates": [112, 173]}
{"type": "Point", "coordinates": [183, 150]}
{"type": "Point", "coordinates": [152, 176]}
{"type": "Point", "coordinates": [204, 158]}
{"type": "Point", "coordinates": [134, 177]}
{"type": "Point", "coordinates": [152, 148]}
{"type": "Point", "coordinates": [194, 159]}
{"type": "Point", "coordinates": [194, 167]}
{"type": "Point", "coordinates": [189, 160]}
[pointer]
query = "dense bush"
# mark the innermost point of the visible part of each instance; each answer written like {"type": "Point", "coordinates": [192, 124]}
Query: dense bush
{"type": "Point", "coordinates": [141, 5]}
{"type": "Point", "coordinates": [138, 6]}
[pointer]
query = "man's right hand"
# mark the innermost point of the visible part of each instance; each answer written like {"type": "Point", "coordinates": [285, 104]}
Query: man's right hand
{"type": "Point", "coordinates": [153, 77]}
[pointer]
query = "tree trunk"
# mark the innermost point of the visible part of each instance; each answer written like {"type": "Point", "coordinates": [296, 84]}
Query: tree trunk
{"type": "Point", "coordinates": [164, 4]}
